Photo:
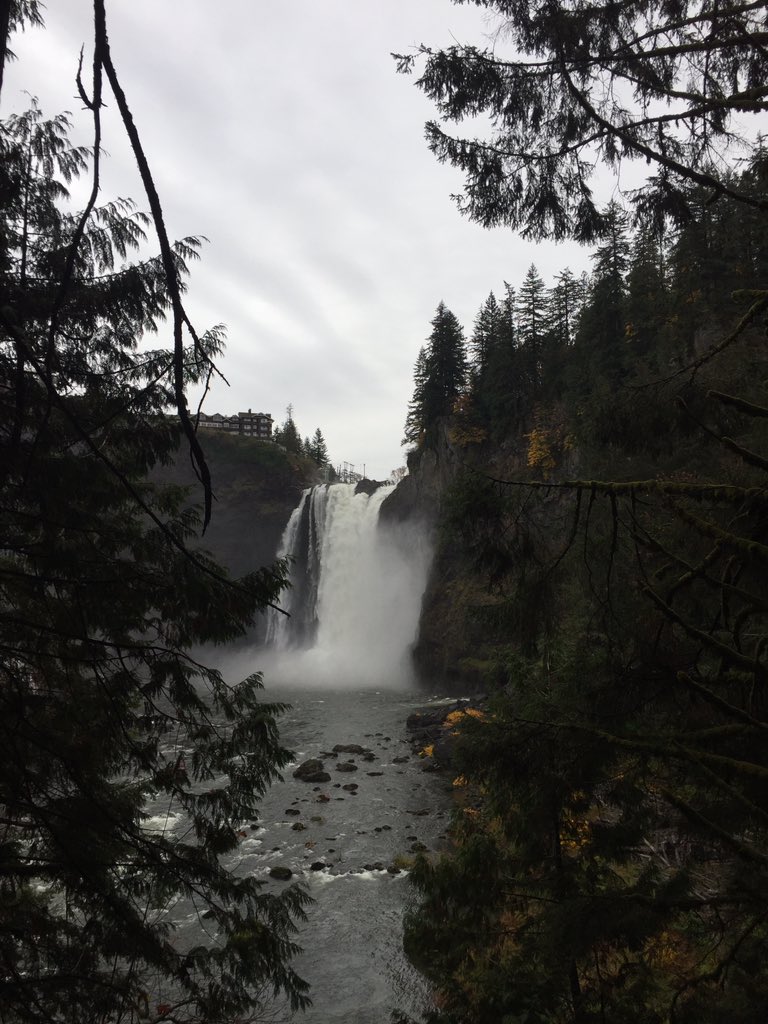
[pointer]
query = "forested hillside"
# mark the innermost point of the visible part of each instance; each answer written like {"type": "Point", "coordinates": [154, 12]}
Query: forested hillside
{"type": "Point", "coordinates": [604, 535]}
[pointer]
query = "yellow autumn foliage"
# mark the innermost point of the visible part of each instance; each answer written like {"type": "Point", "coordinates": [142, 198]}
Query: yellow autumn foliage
{"type": "Point", "coordinates": [540, 445]}
{"type": "Point", "coordinates": [456, 717]}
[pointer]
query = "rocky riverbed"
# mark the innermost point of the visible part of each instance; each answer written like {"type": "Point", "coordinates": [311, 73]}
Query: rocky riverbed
{"type": "Point", "coordinates": [355, 806]}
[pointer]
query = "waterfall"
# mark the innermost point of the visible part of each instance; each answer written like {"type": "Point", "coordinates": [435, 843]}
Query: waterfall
{"type": "Point", "coordinates": [355, 596]}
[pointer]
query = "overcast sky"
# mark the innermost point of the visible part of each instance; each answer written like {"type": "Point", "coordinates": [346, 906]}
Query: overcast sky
{"type": "Point", "coordinates": [281, 131]}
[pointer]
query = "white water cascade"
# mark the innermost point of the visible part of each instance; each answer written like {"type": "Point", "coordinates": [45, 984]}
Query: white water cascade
{"type": "Point", "coordinates": [356, 588]}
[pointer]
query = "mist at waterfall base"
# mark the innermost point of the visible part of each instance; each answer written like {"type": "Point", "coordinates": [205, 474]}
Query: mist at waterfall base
{"type": "Point", "coordinates": [350, 617]}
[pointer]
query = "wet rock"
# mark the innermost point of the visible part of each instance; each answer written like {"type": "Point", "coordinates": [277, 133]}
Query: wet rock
{"type": "Point", "coordinates": [322, 798]}
{"type": "Point", "coordinates": [318, 818]}
{"type": "Point", "coordinates": [346, 766]}
{"type": "Point", "coordinates": [366, 486]}
{"type": "Point", "coordinates": [350, 787]}
{"type": "Point", "coordinates": [374, 774]}
{"type": "Point", "coordinates": [393, 869]}
{"type": "Point", "coordinates": [280, 874]}
{"type": "Point", "coordinates": [418, 848]}
{"type": "Point", "coordinates": [400, 760]}
{"type": "Point", "coordinates": [349, 748]}
{"type": "Point", "coordinates": [369, 756]}
{"type": "Point", "coordinates": [292, 811]}
{"type": "Point", "coordinates": [422, 813]}
{"type": "Point", "coordinates": [317, 865]}
{"type": "Point", "coordinates": [298, 827]}
{"type": "Point", "coordinates": [312, 771]}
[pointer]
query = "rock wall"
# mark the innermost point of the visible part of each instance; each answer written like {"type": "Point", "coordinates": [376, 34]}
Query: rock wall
{"type": "Point", "coordinates": [453, 641]}
{"type": "Point", "coordinates": [256, 486]}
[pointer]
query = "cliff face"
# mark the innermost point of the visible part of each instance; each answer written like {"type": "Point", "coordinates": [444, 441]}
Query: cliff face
{"type": "Point", "coordinates": [256, 486]}
{"type": "Point", "coordinates": [452, 642]}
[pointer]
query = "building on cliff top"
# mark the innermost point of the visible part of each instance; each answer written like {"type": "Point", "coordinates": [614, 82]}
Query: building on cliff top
{"type": "Point", "coordinates": [252, 424]}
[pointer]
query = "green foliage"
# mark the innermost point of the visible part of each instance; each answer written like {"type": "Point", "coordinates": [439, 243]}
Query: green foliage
{"type": "Point", "coordinates": [317, 448]}
{"type": "Point", "coordinates": [609, 848]}
{"type": "Point", "coordinates": [566, 87]}
{"type": "Point", "coordinates": [440, 377]}
{"type": "Point", "coordinates": [102, 708]}
{"type": "Point", "coordinates": [288, 434]}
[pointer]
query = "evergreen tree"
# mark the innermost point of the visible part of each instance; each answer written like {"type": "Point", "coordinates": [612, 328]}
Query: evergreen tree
{"type": "Point", "coordinates": [319, 449]}
{"type": "Point", "coordinates": [414, 422]}
{"type": "Point", "coordinates": [602, 336]}
{"type": "Point", "coordinates": [564, 308]}
{"type": "Point", "coordinates": [667, 84]}
{"type": "Point", "coordinates": [486, 335]}
{"type": "Point", "coordinates": [440, 377]}
{"type": "Point", "coordinates": [505, 392]}
{"type": "Point", "coordinates": [288, 435]}
{"type": "Point", "coordinates": [532, 321]}
{"type": "Point", "coordinates": [101, 707]}
{"type": "Point", "coordinates": [446, 368]}
{"type": "Point", "coordinates": [647, 300]}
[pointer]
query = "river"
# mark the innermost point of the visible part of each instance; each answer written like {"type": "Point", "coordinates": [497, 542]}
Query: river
{"type": "Point", "coordinates": [352, 940]}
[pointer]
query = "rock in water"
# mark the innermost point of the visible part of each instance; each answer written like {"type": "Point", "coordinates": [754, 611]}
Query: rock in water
{"type": "Point", "coordinates": [280, 874]}
{"type": "Point", "coordinates": [312, 771]}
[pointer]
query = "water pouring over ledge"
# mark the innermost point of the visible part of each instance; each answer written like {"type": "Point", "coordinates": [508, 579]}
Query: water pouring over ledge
{"type": "Point", "coordinates": [355, 596]}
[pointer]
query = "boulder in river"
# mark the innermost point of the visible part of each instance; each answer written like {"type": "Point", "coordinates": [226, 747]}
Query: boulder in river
{"type": "Point", "coordinates": [312, 771]}
{"type": "Point", "coordinates": [349, 748]}
{"type": "Point", "coordinates": [346, 766]}
{"type": "Point", "coordinates": [280, 874]}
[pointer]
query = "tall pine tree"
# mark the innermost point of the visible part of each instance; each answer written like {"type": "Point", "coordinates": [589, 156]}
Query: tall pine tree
{"type": "Point", "coordinates": [102, 709]}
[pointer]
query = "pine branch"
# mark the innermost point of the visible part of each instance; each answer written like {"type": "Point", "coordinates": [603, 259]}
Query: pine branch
{"type": "Point", "coordinates": [171, 274]}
